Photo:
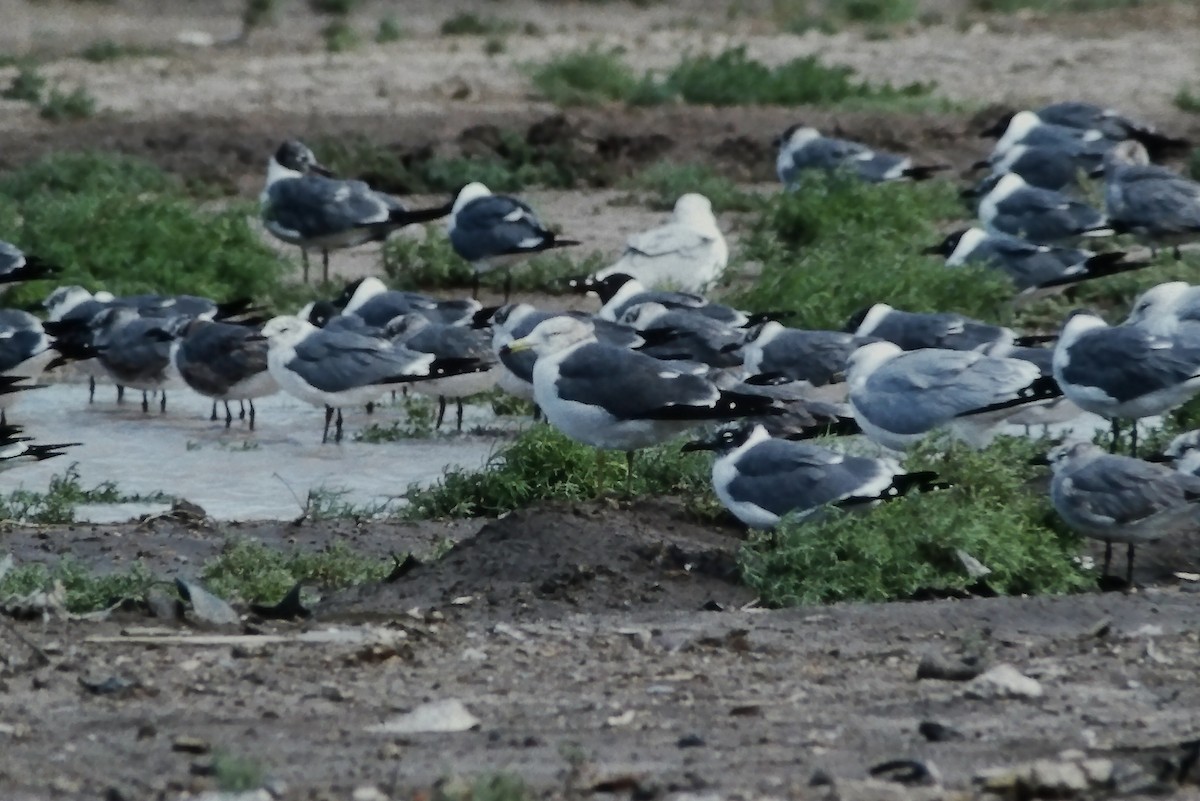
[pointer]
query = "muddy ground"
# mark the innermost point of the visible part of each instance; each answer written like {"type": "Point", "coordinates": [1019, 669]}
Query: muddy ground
{"type": "Point", "coordinates": [603, 648]}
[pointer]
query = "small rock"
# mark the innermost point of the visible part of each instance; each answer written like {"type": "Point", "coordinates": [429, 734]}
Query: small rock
{"type": "Point", "coordinates": [206, 607]}
{"type": "Point", "coordinates": [190, 745]}
{"type": "Point", "coordinates": [368, 792]}
{"type": "Point", "coordinates": [690, 741]}
{"type": "Point", "coordinates": [936, 732]}
{"type": "Point", "coordinates": [1057, 779]}
{"type": "Point", "coordinates": [449, 715]}
{"type": "Point", "coordinates": [910, 772]}
{"type": "Point", "coordinates": [934, 666]}
{"type": "Point", "coordinates": [114, 686]}
{"type": "Point", "coordinates": [1002, 681]}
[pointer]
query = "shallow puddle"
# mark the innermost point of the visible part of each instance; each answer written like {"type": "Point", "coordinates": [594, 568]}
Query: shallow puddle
{"type": "Point", "coordinates": [234, 474]}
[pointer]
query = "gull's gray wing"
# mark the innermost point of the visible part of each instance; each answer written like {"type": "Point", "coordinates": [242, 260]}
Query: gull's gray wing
{"type": "Point", "coordinates": [449, 342]}
{"type": "Point", "coordinates": [914, 331]}
{"type": "Point", "coordinates": [497, 225]}
{"type": "Point", "coordinates": [782, 476]}
{"type": "Point", "coordinates": [699, 338]}
{"type": "Point", "coordinates": [818, 357]}
{"type": "Point", "coordinates": [1153, 199]}
{"type": "Point", "coordinates": [1028, 264]}
{"type": "Point", "coordinates": [1118, 490]}
{"type": "Point", "coordinates": [667, 240]}
{"type": "Point", "coordinates": [213, 357]}
{"type": "Point", "coordinates": [922, 389]}
{"type": "Point", "coordinates": [672, 300]}
{"type": "Point", "coordinates": [139, 350]}
{"type": "Point", "coordinates": [629, 385]}
{"type": "Point", "coordinates": [1054, 168]}
{"type": "Point", "coordinates": [335, 361]}
{"type": "Point", "coordinates": [313, 206]}
{"type": "Point", "coordinates": [1040, 215]}
{"type": "Point", "coordinates": [1126, 362]}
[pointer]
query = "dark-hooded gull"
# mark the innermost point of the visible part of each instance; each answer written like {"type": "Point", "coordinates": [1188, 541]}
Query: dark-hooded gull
{"type": "Point", "coordinates": [1027, 128]}
{"type": "Point", "coordinates": [916, 330]}
{"type": "Point", "coordinates": [1113, 125]}
{"type": "Point", "coordinates": [688, 253]}
{"type": "Point", "coordinates": [1155, 203]}
{"type": "Point", "coordinates": [136, 351]}
{"type": "Point", "coordinates": [686, 333]}
{"type": "Point", "coordinates": [370, 299]}
{"type": "Point", "coordinates": [899, 397]}
{"type": "Point", "coordinates": [1183, 453]}
{"type": "Point", "coordinates": [760, 479]}
{"type": "Point", "coordinates": [1033, 268]}
{"type": "Point", "coordinates": [619, 292]}
{"type": "Point", "coordinates": [816, 358]}
{"type": "Point", "coordinates": [802, 148]}
{"type": "Point", "coordinates": [302, 205]}
{"type": "Point", "coordinates": [16, 265]}
{"type": "Point", "coordinates": [1121, 499]}
{"type": "Point", "coordinates": [617, 399]}
{"type": "Point", "coordinates": [224, 362]}
{"type": "Point", "coordinates": [1039, 215]}
{"type": "Point", "coordinates": [1125, 372]}
{"type": "Point", "coordinates": [494, 232]}
{"type": "Point", "coordinates": [416, 333]}
{"type": "Point", "coordinates": [336, 368]}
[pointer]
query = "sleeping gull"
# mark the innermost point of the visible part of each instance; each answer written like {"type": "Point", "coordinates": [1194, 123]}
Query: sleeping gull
{"type": "Point", "coordinates": [1164, 308]}
{"type": "Point", "coordinates": [687, 334]}
{"type": "Point", "coordinates": [416, 333]}
{"type": "Point", "coordinates": [1027, 128]}
{"type": "Point", "coordinates": [224, 362]}
{"type": "Point", "coordinates": [916, 330]}
{"type": "Point", "coordinates": [16, 265]}
{"type": "Point", "coordinates": [1155, 203]}
{"type": "Point", "coordinates": [493, 232]}
{"type": "Point", "coordinates": [688, 253]}
{"type": "Point", "coordinates": [817, 358]}
{"type": "Point", "coordinates": [1031, 267]}
{"type": "Point", "coordinates": [617, 399]}
{"type": "Point", "coordinates": [802, 148]}
{"type": "Point", "coordinates": [900, 396]}
{"type": "Point", "coordinates": [1039, 215]}
{"type": "Point", "coordinates": [1121, 499]}
{"type": "Point", "coordinates": [336, 368]}
{"type": "Point", "coordinates": [619, 292]}
{"type": "Point", "coordinates": [1183, 453]}
{"type": "Point", "coordinates": [370, 299]}
{"type": "Point", "coordinates": [760, 479]}
{"type": "Point", "coordinates": [1125, 372]}
{"type": "Point", "coordinates": [1113, 125]}
{"type": "Point", "coordinates": [1048, 167]}
{"type": "Point", "coordinates": [302, 205]}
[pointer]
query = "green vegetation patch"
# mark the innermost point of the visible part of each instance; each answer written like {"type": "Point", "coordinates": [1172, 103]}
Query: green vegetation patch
{"type": "Point", "coordinates": [912, 545]}
{"type": "Point", "coordinates": [467, 23]}
{"type": "Point", "coordinates": [665, 181]}
{"type": "Point", "coordinates": [252, 572]}
{"type": "Point", "coordinates": [1060, 6]}
{"type": "Point", "coordinates": [64, 493]}
{"type": "Point", "coordinates": [85, 589]}
{"type": "Point", "coordinates": [543, 464]}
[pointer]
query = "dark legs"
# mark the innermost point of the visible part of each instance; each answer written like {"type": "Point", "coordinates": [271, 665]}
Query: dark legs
{"type": "Point", "coordinates": [162, 403]}
{"type": "Point", "coordinates": [91, 389]}
{"type": "Point", "coordinates": [145, 403]}
{"type": "Point", "coordinates": [507, 284]}
{"type": "Point", "coordinates": [328, 418]}
{"type": "Point", "coordinates": [120, 394]}
{"type": "Point", "coordinates": [228, 415]}
{"type": "Point", "coordinates": [325, 266]}
{"type": "Point", "coordinates": [1133, 440]}
{"type": "Point", "coordinates": [338, 434]}
{"type": "Point", "coordinates": [242, 410]}
{"type": "Point", "coordinates": [212, 418]}
{"type": "Point", "coordinates": [1129, 554]}
{"type": "Point", "coordinates": [458, 402]}
{"type": "Point", "coordinates": [304, 260]}
{"type": "Point", "coordinates": [441, 412]}
{"type": "Point", "coordinates": [1116, 432]}
{"type": "Point", "coordinates": [371, 407]}
{"type": "Point", "coordinates": [251, 414]}
{"type": "Point", "coordinates": [1107, 557]}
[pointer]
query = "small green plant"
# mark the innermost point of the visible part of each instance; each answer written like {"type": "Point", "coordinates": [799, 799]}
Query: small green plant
{"type": "Point", "coordinates": [494, 46]}
{"type": "Point", "coordinates": [333, 8]}
{"type": "Point", "coordinates": [586, 77]}
{"type": "Point", "coordinates": [27, 85]}
{"type": "Point", "coordinates": [915, 544]}
{"type": "Point", "coordinates": [236, 773]}
{"type": "Point", "coordinates": [256, 14]}
{"type": "Point", "coordinates": [1056, 6]}
{"type": "Point", "coordinates": [542, 464]}
{"type": "Point", "coordinates": [467, 23]}
{"type": "Point", "coordinates": [488, 787]}
{"type": "Point", "coordinates": [339, 37]}
{"type": "Point", "coordinates": [666, 181]}
{"type": "Point", "coordinates": [85, 589]}
{"type": "Point", "coordinates": [108, 50]}
{"type": "Point", "coordinates": [1186, 100]}
{"type": "Point", "coordinates": [389, 30]}
{"type": "Point", "coordinates": [419, 416]}
{"type": "Point", "coordinates": [329, 503]}
{"type": "Point", "coordinates": [252, 572]}
{"type": "Point", "coordinates": [60, 106]}
{"type": "Point", "coordinates": [799, 16]}
{"type": "Point", "coordinates": [64, 493]}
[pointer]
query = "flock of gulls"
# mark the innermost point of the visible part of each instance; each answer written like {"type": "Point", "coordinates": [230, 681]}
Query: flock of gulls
{"type": "Point", "coordinates": [657, 358]}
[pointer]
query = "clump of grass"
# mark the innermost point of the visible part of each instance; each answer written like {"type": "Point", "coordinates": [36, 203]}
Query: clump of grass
{"type": "Point", "coordinates": [830, 15]}
{"type": "Point", "coordinates": [467, 23]}
{"type": "Point", "coordinates": [389, 30]}
{"type": "Point", "coordinates": [1056, 6]}
{"type": "Point", "coordinates": [488, 787]}
{"type": "Point", "coordinates": [255, 14]}
{"type": "Point", "coordinates": [334, 8]}
{"type": "Point", "coordinates": [542, 464]}
{"type": "Point", "coordinates": [339, 37]}
{"type": "Point", "coordinates": [666, 181]}
{"type": "Point", "coordinates": [586, 77]}
{"type": "Point", "coordinates": [839, 245]}
{"type": "Point", "coordinates": [419, 417]}
{"type": "Point", "coordinates": [64, 493]}
{"type": "Point", "coordinates": [62, 106]}
{"type": "Point", "coordinates": [1186, 100]}
{"type": "Point", "coordinates": [27, 85]}
{"type": "Point", "coordinates": [107, 50]}
{"type": "Point", "coordinates": [85, 589]}
{"type": "Point", "coordinates": [494, 46]}
{"type": "Point", "coordinates": [236, 773]}
{"type": "Point", "coordinates": [910, 546]}
{"type": "Point", "coordinates": [252, 572]}
{"type": "Point", "coordinates": [329, 503]}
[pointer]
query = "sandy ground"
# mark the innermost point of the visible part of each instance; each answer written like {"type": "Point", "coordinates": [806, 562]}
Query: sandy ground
{"type": "Point", "coordinates": [586, 639]}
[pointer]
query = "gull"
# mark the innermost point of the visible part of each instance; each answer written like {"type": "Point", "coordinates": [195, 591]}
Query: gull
{"type": "Point", "coordinates": [16, 450]}
{"type": "Point", "coordinates": [1032, 268]}
{"type": "Point", "coordinates": [1045, 166]}
{"type": "Point", "coordinates": [616, 399]}
{"type": "Point", "coordinates": [1027, 128]}
{"type": "Point", "coordinates": [1039, 215]}
{"type": "Point", "coordinates": [1183, 453]}
{"type": "Point", "coordinates": [900, 396]}
{"type": "Point", "coordinates": [446, 342]}
{"type": "Point", "coordinates": [915, 330]}
{"type": "Point", "coordinates": [803, 148]}
{"type": "Point", "coordinates": [1120, 499]}
{"type": "Point", "coordinates": [619, 292]}
{"type": "Point", "coordinates": [16, 265]}
{"type": "Point", "coordinates": [1113, 125]}
{"type": "Point", "coordinates": [493, 232]}
{"type": "Point", "coordinates": [224, 362]}
{"type": "Point", "coordinates": [816, 358]}
{"type": "Point", "coordinates": [336, 368]}
{"type": "Point", "coordinates": [1164, 308]}
{"type": "Point", "coordinates": [370, 299]}
{"type": "Point", "coordinates": [1125, 372]}
{"type": "Point", "coordinates": [688, 253]}
{"type": "Point", "coordinates": [760, 479]}
{"type": "Point", "coordinates": [1155, 203]}
{"type": "Point", "coordinates": [136, 351]}
{"type": "Point", "coordinates": [302, 205]}
{"type": "Point", "coordinates": [688, 334]}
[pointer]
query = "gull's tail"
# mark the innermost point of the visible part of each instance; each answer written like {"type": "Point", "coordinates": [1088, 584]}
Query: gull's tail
{"type": "Point", "coordinates": [923, 172]}
{"type": "Point", "coordinates": [1041, 388]}
{"type": "Point", "coordinates": [33, 269]}
{"type": "Point", "coordinates": [902, 484]}
{"type": "Point", "coordinates": [729, 406]}
{"type": "Point", "coordinates": [400, 217]}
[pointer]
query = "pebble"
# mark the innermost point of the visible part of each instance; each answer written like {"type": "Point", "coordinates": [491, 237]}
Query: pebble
{"type": "Point", "coordinates": [1002, 681]}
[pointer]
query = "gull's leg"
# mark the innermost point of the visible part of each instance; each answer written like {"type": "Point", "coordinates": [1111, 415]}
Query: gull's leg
{"type": "Point", "coordinates": [628, 472]}
{"type": "Point", "coordinates": [304, 259]}
{"type": "Point", "coordinates": [1133, 440]}
{"type": "Point", "coordinates": [1116, 432]}
{"type": "Point", "coordinates": [537, 413]}
{"type": "Point", "coordinates": [251, 414]}
{"type": "Point", "coordinates": [242, 410]}
{"type": "Point", "coordinates": [1129, 566]}
{"type": "Point", "coordinates": [1107, 557]}
{"type": "Point", "coordinates": [441, 412]}
{"type": "Point", "coordinates": [120, 394]}
{"type": "Point", "coordinates": [328, 417]}
{"type": "Point", "coordinates": [371, 407]}
{"type": "Point", "coordinates": [91, 389]}
{"type": "Point", "coordinates": [338, 430]}
{"type": "Point", "coordinates": [325, 266]}
{"type": "Point", "coordinates": [212, 418]}
{"type": "Point", "coordinates": [507, 284]}
{"type": "Point", "coordinates": [228, 415]}
{"type": "Point", "coordinates": [162, 403]}
{"type": "Point", "coordinates": [145, 403]}
{"type": "Point", "coordinates": [460, 413]}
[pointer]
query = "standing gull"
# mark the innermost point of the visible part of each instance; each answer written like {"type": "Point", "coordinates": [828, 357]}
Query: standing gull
{"type": "Point", "coordinates": [336, 368]}
{"type": "Point", "coordinates": [1155, 203]}
{"type": "Point", "coordinates": [1121, 499]}
{"type": "Point", "coordinates": [616, 399]}
{"type": "Point", "coordinates": [447, 342]}
{"type": "Point", "coordinates": [493, 232]}
{"type": "Point", "coordinates": [802, 148]}
{"type": "Point", "coordinates": [898, 397]}
{"type": "Point", "coordinates": [1039, 215]}
{"type": "Point", "coordinates": [1125, 372]}
{"type": "Point", "coordinates": [224, 362]}
{"type": "Point", "coordinates": [303, 206]}
{"type": "Point", "coordinates": [688, 253]}
{"type": "Point", "coordinates": [136, 351]}
{"type": "Point", "coordinates": [760, 479]}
